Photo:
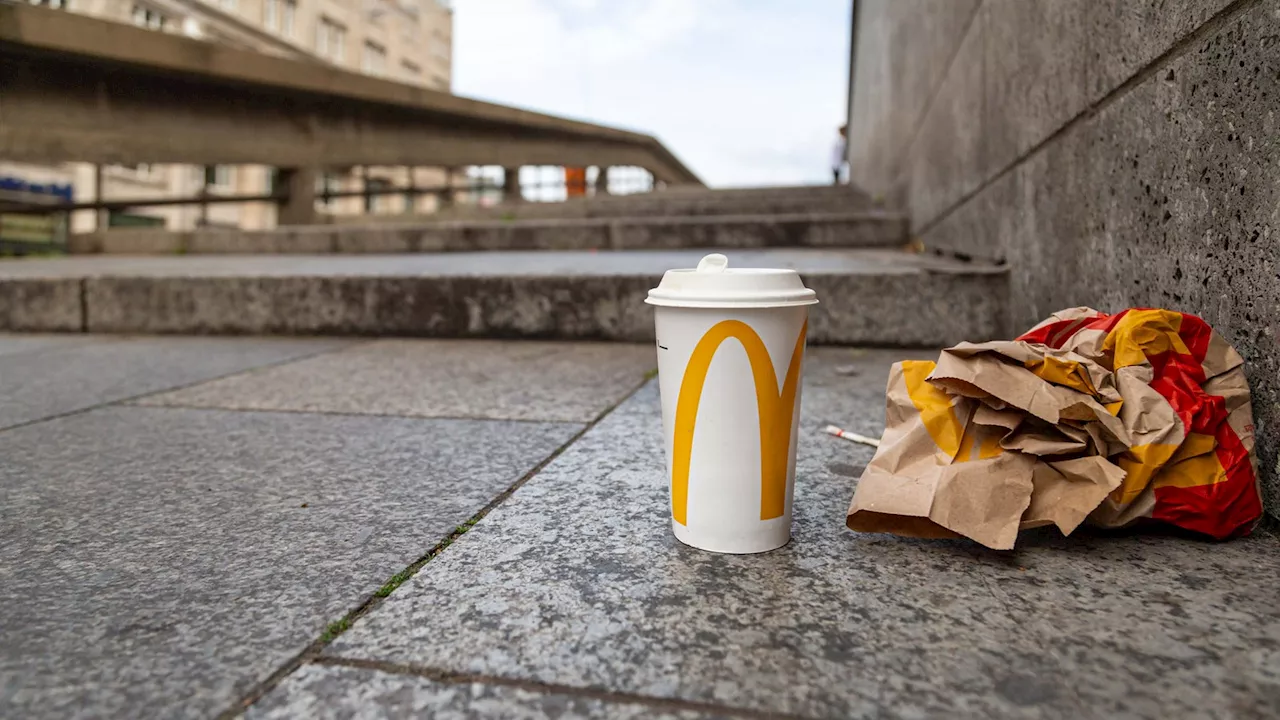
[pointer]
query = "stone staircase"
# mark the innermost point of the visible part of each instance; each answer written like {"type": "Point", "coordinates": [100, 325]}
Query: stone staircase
{"type": "Point", "coordinates": [830, 229]}
{"type": "Point", "coordinates": [581, 275]}
{"type": "Point", "coordinates": [671, 219]}
{"type": "Point", "coordinates": [674, 201]}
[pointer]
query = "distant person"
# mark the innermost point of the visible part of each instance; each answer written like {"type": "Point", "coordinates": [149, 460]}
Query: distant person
{"type": "Point", "coordinates": [837, 155]}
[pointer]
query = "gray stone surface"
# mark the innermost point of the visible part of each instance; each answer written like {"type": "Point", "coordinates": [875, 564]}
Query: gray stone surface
{"type": "Point", "coordinates": [844, 230]}
{"type": "Point", "coordinates": [156, 241]}
{"type": "Point", "coordinates": [129, 241]}
{"type": "Point", "coordinates": [571, 382]}
{"type": "Point", "coordinates": [1165, 198]}
{"type": "Point", "coordinates": [1126, 36]}
{"type": "Point", "coordinates": [877, 297]}
{"type": "Point", "coordinates": [949, 153]}
{"type": "Point", "coordinates": [908, 309]}
{"type": "Point", "coordinates": [45, 304]}
{"type": "Point", "coordinates": [576, 580]}
{"type": "Point", "coordinates": [904, 51]}
{"type": "Point", "coordinates": [817, 199]}
{"type": "Point", "coordinates": [280, 240]}
{"type": "Point", "coordinates": [12, 344]}
{"type": "Point", "coordinates": [1047, 61]}
{"type": "Point", "coordinates": [672, 201]}
{"type": "Point", "coordinates": [748, 229]}
{"type": "Point", "coordinates": [477, 264]}
{"type": "Point", "coordinates": [70, 376]}
{"type": "Point", "coordinates": [1023, 70]}
{"type": "Point", "coordinates": [318, 691]}
{"type": "Point", "coordinates": [158, 562]}
{"type": "Point", "coordinates": [1034, 67]}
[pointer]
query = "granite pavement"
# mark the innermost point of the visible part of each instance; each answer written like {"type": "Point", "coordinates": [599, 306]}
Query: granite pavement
{"type": "Point", "coordinates": [46, 375]}
{"type": "Point", "coordinates": [184, 553]}
{"type": "Point", "coordinates": [576, 581]}
{"type": "Point", "coordinates": [438, 378]}
{"type": "Point", "coordinates": [160, 561]}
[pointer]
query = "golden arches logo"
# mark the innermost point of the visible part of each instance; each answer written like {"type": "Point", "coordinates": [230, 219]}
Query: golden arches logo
{"type": "Point", "coordinates": [776, 412]}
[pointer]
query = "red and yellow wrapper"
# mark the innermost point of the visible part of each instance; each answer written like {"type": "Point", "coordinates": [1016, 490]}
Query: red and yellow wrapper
{"type": "Point", "coordinates": [1143, 415]}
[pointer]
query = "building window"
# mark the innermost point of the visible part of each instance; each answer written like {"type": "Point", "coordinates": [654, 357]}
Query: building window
{"type": "Point", "coordinates": [330, 38]}
{"type": "Point", "coordinates": [440, 82]}
{"type": "Point", "coordinates": [219, 176]}
{"type": "Point", "coordinates": [326, 184]}
{"type": "Point", "coordinates": [375, 60]}
{"type": "Point", "coordinates": [52, 4]}
{"type": "Point", "coordinates": [148, 17]}
{"type": "Point", "coordinates": [278, 16]}
{"type": "Point", "coordinates": [120, 218]}
{"type": "Point", "coordinates": [410, 70]}
{"type": "Point", "coordinates": [375, 201]}
{"type": "Point", "coordinates": [141, 171]}
{"type": "Point", "coordinates": [228, 5]}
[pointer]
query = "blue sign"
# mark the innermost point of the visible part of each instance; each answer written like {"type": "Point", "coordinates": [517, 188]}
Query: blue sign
{"type": "Point", "coordinates": [15, 184]}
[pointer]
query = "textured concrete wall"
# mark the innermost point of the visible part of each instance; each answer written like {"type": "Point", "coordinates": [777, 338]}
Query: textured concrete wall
{"type": "Point", "coordinates": [1115, 154]}
{"type": "Point", "coordinates": [904, 48]}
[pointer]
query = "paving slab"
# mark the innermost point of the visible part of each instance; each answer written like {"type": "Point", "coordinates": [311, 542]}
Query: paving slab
{"type": "Point", "coordinates": [318, 691]}
{"type": "Point", "coordinates": [159, 562]}
{"type": "Point", "coordinates": [871, 297]}
{"type": "Point", "coordinates": [576, 580]}
{"type": "Point", "coordinates": [14, 343]}
{"type": "Point", "coordinates": [66, 376]}
{"type": "Point", "coordinates": [571, 382]}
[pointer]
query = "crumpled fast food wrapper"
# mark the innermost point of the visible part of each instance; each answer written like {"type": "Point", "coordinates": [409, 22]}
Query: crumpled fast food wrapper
{"type": "Point", "coordinates": [1105, 419]}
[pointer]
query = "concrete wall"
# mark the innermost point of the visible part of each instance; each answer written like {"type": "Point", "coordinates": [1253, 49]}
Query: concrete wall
{"type": "Point", "coordinates": [1114, 152]}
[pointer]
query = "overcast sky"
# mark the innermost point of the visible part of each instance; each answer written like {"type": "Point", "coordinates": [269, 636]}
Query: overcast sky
{"type": "Point", "coordinates": [745, 92]}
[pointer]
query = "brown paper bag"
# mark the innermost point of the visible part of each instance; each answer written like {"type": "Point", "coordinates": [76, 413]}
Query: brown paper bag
{"type": "Point", "coordinates": [1083, 418]}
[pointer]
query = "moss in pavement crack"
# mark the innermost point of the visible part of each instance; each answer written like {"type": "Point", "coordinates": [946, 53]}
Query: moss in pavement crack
{"type": "Point", "coordinates": [335, 629]}
{"type": "Point", "coordinates": [398, 579]}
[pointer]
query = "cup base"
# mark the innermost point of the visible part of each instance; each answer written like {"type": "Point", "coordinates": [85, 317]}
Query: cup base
{"type": "Point", "coordinates": [732, 545]}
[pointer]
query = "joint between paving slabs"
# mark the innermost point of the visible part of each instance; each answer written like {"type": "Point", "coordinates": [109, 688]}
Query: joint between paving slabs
{"type": "Point", "coordinates": [84, 304]}
{"type": "Point", "coordinates": [133, 399]}
{"type": "Point", "coordinates": [248, 371]}
{"type": "Point", "coordinates": [334, 629]}
{"type": "Point", "coordinates": [344, 413]}
{"type": "Point", "coordinates": [451, 677]}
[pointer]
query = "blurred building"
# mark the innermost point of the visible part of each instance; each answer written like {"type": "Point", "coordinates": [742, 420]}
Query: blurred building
{"type": "Point", "coordinates": [407, 41]}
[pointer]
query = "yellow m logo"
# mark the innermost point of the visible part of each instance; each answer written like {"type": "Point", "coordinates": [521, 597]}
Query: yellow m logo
{"type": "Point", "coordinates": [776, 412]}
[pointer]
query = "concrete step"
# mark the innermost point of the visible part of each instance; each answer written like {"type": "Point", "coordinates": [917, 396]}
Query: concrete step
{"type": "Point", "coordinates": [754, 190]}
{"type": "Point", "coordinates": [868, 297]}
{"type": "Point", "coordinates": [679, 204]}
{"type": "Point", "coordinates": [671, 202]}
{"type": "Point", "coordinates": [858, 229]}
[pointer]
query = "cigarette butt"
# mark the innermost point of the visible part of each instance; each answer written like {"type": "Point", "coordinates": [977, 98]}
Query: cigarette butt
{"type": "Point", "coordinates": [855, 437]}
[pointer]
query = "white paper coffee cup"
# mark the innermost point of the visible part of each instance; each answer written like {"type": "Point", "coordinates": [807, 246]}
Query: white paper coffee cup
{"type": "Point", "coordinates": [730, 359]}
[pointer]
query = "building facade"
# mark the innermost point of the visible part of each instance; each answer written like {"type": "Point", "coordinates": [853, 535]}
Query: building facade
{"type": "Point", "coordinates": [408, 41]}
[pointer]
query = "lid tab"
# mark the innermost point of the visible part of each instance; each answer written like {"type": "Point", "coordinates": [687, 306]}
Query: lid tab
{"type": "Point", "coordinates": [715, 262]}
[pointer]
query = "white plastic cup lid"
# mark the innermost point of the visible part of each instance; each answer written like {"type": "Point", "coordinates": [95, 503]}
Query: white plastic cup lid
{"type": "Point", "coordinates": [713, 284]}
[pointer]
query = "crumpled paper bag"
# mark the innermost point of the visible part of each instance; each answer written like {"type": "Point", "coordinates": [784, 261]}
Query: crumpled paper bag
{"type": "Point", "coordinates": [1105, 419]}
